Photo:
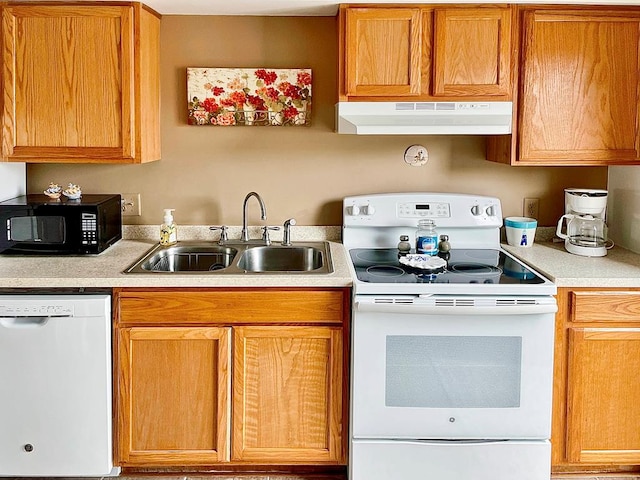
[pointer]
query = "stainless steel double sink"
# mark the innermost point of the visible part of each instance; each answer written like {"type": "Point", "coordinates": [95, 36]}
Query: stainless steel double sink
{"type": "Point", "coordinates": [236, 258]}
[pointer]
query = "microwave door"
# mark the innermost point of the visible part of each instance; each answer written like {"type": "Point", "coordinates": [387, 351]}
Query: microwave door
{"type": "Point", "coordinates": [39, 230]}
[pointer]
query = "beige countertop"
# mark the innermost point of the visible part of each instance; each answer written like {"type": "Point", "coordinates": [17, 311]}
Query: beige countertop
{"type": "Point", "coordinates": [105, 270]}
{"type": "Point", "coordinates": [619, 268]}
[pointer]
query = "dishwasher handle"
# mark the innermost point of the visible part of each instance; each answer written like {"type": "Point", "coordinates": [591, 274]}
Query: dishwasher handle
{"type": "Point", "coordinates": [24, 322]}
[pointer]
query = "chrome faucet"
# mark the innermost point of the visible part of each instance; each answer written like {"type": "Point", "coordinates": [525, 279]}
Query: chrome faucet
{"type": "Point", "coordinates": [286, 237]}
{"type": "Point", "coordinates": [244, 235]}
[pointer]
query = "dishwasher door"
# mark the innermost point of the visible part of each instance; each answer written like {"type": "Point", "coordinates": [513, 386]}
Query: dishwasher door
{"type": "Point", "coordinates": [55, 373]}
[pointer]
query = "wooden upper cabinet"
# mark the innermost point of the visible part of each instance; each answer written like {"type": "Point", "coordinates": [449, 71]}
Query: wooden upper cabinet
{"type": "Point", "coordinates": [426, 53]}
{"type": "Point", "coordinates": [578, 102]}
{"type": "Point", "coordinates": [472, 52]}
{"type": "Point", "coordinates": [383, 51]}
{"type": "Point", "coordinates": [81, 83]}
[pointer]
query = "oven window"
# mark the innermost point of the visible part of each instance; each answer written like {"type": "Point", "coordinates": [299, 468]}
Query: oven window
{"type": "Point", "coordinates": [37, 229]}
{"type": "Point", "coordinates": [453, 371]}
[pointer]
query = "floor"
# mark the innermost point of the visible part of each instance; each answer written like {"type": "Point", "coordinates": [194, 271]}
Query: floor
{"type": "Point", "coordinates": [304, 477]}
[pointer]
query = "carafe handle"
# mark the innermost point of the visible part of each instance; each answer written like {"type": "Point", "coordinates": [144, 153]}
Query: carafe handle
{"type": "Point", "coordinates": [559, 233]}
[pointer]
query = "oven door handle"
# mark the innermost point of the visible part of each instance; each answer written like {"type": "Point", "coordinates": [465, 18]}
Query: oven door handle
{"type": "Point", "coordinates": [453, 442]}
{"type": "Point", "coordinates": [403, 308]}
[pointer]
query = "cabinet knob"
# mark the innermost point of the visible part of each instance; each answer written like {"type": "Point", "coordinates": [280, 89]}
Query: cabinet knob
{"type": "Point", "coordinates": [28, 447]}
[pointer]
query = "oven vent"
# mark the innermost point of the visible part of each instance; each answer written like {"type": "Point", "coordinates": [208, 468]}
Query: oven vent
{"type": "Point", "coordinates": [454, 302]}
{"type": "Point", "coordinates": [481, 302]}
{"type": "Point", "coordinates": [515, 301]}
{"type": "Point", "coordinates": [401, 301]}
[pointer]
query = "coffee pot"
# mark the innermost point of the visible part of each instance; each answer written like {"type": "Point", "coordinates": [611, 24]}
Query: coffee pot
{"type": "Point", "coordinates": [586, 235]}
{"type": "Point", "coordinates": [586, 231]}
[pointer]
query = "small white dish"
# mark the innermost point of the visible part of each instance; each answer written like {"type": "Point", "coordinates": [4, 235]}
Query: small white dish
{"type": "Point", "coordinates": [73, 192]}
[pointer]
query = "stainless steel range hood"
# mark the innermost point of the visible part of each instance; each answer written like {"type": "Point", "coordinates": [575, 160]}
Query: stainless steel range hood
{"type": "Point", "coordinates": [424, 118]}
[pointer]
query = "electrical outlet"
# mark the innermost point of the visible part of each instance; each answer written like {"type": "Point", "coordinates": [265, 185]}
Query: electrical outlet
{"type": "Point", "coordinates": [131, 204]}
{"type": "Point", "coordinates": [530, 208]}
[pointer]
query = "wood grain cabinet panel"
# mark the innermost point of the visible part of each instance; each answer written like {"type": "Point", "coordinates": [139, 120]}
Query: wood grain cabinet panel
{"type": "Point", "coordinates": [426, 53]}
{"type": "Point", "coordinates": [81, 83]}
{"type": "Point", "coordinates": [178, 402]}
{"type": "Point", "coordinates": [173, 395]}
{"type": "Point", "coordinates": [287, 401]}
{"type": "Point", "coordinates": [472, 54]}
{"type": "Point", "coordinates": [383, 51]}
{"type": "Point", "coordinates": [596, 420]}
{"type": "Point", "coordinates": [599, 306]}
{"type": "Point", "coordinates": [578, 93]}
{"type": "Point", "coordinates": [224, 306]}
{"type": "Point", "coordinates": [603, 393]}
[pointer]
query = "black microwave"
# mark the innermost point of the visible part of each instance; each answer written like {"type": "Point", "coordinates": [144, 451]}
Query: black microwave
{"type": "Point", "coordinates": [39, 225]}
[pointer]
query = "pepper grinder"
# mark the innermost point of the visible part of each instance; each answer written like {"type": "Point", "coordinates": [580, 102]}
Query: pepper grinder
{"type": "Point", "coordinates": [404, 247]}
{"type": "Point", "coordinates": [444, 247]}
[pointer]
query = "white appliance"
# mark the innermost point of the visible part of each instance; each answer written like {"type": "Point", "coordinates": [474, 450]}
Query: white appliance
{"type": "Point", "coordinates": [424, 118]}
{"type": "Point", "coordinates": [452, 372]}
{"type": "Point", "coordinates": [55, 372]}
{"type": "Point", "coordinates": [13, 180]}
{"type": "Point", "coordinates": [585, 232]}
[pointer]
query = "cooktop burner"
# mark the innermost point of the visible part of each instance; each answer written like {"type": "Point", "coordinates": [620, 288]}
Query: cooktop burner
{"type": "Point", "coordinates": [488, 266]}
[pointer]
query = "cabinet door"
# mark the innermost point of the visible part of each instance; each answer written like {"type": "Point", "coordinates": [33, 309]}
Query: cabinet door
{"type": "Point", "coordinates": [579, 90]}
{"type": "Point", "coordinates": [603, 419]}
{"type": "Point", "coordinates": [472, 52]}
{"type": "Point", "coordinates": [67, 79]}
{"type": "Point", "coordinates": [288, 395]}
{"type": "Point", "coordinates": [173, 395]}
{"type": "Point", "coordinates": [383, 51]}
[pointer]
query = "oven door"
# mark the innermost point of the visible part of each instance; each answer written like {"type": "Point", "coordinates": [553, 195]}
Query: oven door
{"type": "Point", "coordinates": [472, 369]}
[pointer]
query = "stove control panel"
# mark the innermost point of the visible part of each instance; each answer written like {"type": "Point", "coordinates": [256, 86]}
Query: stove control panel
{"type": "Point", "coordinates": [424, 210]}
{"type": "Point", "coordinates": [405, 209]}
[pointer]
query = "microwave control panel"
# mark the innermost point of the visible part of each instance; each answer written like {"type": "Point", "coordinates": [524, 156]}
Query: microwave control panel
{"type": "Point", "coordinates": [89, 229]}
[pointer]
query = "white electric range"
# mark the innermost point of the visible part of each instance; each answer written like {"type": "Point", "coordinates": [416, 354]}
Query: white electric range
{"type": "Point", "coordinates": [451, 368]}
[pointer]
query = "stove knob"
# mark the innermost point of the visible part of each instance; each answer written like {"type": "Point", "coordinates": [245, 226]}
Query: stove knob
{"type": "Point", "coordinates": [368, 210]}
{"type": "Point", "coordinates": [353, 210]}
{"type": "Point", "coordinates": [476, 211]}
{"type": "Point", "coordinates": [491, 210]}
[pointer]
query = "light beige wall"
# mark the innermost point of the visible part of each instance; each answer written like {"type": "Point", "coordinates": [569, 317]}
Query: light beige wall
{"type": "Point", "coordinates": [301, 172]}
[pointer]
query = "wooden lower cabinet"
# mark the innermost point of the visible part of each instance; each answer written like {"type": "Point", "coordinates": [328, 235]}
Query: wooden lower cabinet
{"type": "Point", "coordinates": [173, 395]}
{"type": "Point", "coordinates": [596, 423]}
{"type": "Point", "coordinates": [202, 389]}
{"type": "Point", "coordinates": [287, 400]}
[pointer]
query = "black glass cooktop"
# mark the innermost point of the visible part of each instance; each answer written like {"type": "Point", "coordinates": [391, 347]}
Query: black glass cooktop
{"type": "Point", "coordinates": [381, 265]}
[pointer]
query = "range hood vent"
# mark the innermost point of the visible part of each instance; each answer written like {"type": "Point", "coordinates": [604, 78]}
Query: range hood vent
{"type": "Point", "coordinates": [424, 118]}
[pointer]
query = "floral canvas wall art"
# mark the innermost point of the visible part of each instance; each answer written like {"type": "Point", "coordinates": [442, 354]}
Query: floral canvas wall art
{"type": "Point", "coordinates": [243, 96]}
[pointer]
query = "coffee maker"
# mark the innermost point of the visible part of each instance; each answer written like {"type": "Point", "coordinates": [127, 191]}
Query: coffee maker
{"type": "Point", "coordinates": [586, 230]}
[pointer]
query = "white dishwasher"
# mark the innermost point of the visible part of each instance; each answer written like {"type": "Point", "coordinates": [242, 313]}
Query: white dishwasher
{"type": "Point", "coordinates": [55, 378]}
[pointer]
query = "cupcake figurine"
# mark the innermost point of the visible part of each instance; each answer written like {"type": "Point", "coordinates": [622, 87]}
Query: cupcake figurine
{"type": "Point", "coordinates": [53, 191]}
{"type": "Point", "coordinates": [73, 191]}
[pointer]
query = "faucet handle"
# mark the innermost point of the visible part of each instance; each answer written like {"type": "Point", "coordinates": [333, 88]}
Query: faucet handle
{"type": "Point", "coordinates": [286, 236]}
{"type": "Point", "coordinates": [223, 233]}
{"type": "Point", "coordinates": [265, 234]}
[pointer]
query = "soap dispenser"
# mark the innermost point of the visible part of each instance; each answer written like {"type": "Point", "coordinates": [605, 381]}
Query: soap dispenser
{"type": "Point", "coordinates": [168, 229]}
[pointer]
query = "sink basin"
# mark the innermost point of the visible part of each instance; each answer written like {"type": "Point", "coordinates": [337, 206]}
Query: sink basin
{"type": "Point", "coordinates": [239, 258]}
{"type": "Point", "coordinates": [185, 258]}
{"type": "Point", "coordinates": [281, 259]}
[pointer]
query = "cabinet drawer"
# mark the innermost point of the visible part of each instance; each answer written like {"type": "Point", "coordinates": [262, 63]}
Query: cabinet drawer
{"type": "Point", "coordinates": [605, 306]}
{"type": "Point", "coordinates": [231, 306]}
